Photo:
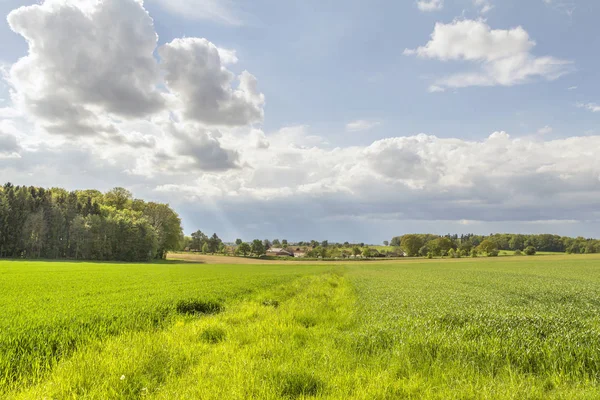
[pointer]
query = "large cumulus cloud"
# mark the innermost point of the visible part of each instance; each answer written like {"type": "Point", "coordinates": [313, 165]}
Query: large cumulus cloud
{"type": "Point", "coordinates": [85, 60]}
{"type": "Point", "coordinates": [92, 73]}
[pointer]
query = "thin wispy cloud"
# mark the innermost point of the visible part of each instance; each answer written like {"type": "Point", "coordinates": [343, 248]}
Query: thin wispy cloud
{"type": "Point", "coordinates": [593, 107]}
{"type": "Point", "coordinates": [361, 125]}
{"type": "Point", "coordinates": [224, 11]}
{"type": "Point", "coordinates": [430, 5]}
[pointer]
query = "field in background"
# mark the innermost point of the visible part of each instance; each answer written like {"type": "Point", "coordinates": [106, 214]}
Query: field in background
{"type": "Point", "coordinates": [513, 327]}
{"type": "Point", "coordinates": [215, 259]}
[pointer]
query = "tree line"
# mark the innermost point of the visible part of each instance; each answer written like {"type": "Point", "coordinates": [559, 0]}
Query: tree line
{"type": "Point", "coordinates": [84, 225]}
{"type": "Point", "coordinates": [411, 245]}
{"type": "Point", "coordinates": [426, 244]}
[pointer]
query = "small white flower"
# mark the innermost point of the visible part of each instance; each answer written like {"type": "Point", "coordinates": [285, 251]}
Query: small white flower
{"type": "Point", "coordinates": [122, 377]}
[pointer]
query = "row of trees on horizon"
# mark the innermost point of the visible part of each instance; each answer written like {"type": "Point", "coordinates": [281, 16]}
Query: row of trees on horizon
{"type": "Point", "coordinates": [90, 225]}
{"type": "Point", "coordinates": [412, 245]}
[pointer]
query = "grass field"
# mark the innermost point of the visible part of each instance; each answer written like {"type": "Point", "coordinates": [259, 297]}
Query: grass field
{"type": "Point", "coordinates": [514, 327]}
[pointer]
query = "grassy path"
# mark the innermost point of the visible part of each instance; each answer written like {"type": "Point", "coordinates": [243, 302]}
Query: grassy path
{"type": "Point", "coordinates": [282, 342]}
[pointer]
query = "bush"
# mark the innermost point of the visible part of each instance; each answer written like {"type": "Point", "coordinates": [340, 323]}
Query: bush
{"type": "Point", "coordinates": [199, 307]}
{"type": "Point", "coordinates": [518, 253]}
{"type": "Point", "coordinates": [530, 251]}
{"type": "Point", "coordinates": [493, 253]}
{"type": "Point", "coordinates": [430, 255]}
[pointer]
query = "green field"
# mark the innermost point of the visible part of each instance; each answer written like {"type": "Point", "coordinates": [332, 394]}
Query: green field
{"type": "Point", "coordinates": [512, 327]}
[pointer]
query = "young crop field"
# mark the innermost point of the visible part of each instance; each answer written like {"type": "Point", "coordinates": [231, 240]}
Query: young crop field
{"type": "Point", "coordinates": [510, 327]}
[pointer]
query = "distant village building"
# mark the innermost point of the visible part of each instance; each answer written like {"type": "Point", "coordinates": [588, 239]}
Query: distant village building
{"type": "Point", "coordinates": [296, 252]}
{"type": "Point", "coordinates": [274, 251]}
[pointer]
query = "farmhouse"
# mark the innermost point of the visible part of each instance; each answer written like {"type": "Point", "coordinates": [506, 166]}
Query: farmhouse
{"type": "Point", "coordinates": [280, 252]}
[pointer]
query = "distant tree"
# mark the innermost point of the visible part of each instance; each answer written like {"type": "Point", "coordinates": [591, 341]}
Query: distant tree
{"type": "Point", "coordinates": [213, 243]}
{"type": "Point", "coordinates": [238, 241]}
{"type": "Point", "coordinates": [346, 244]}
{"type": "Point", "coordinates": [118, 198]}
{"type": "Point", "coordinates": [474, 252]}
{"type": "Point", "coordinates": [323, 252]}
{"type": "Point", "coordinates": [356, 251]}
{"type": "Point", "coordinates": [396, 241]}
{"type": "Point", "coordinates": [386, 243]}
{"type": "Point", "coordinates": [465, 246]}
{"type": "Point", "coordinates": [517, 242]}
{"type": "Point", "coordinates": [518, 253]}
{"type": "Point", "coordinates": [205, 248]}
{"type": "Point", "coordinates": [276, 243]}
{"type": "Point", "coordinates": [451, 253]}
{"type": "Point", "coordinates": [530, 251]}
{"type": "Point", "coordinates": [167, 225]}
{"type": "Point", "coordinates": [222, 248]}
{"type": "Point", "coordinates": [488, 247]}
{"type": "Point", "coordinates": [411, 244]}
{"type": "Point", "coordinates": [258, 247]}
{"type": "Point", "coordinates": [244, 249]}
{"type": "Point", "coordinates": [324, 243]}
{"type": "Point", "coordinates": [366, 252]}
{"type": "Point", "coordinates": [266, 244]}
{"type": "Point", "coordinates": [34, 233]}
{"type": "Point", "coordinates": [440, 245]}
{"type": "Point", "coordinates": [284, 242]}
{"type": "Point", "coordinates": [314, 243]}
{"type": "Point", "coordinates": [198, 240]}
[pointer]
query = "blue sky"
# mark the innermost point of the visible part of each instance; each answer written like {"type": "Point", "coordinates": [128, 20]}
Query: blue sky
{"type": "Point", "coordinates": [323, 140]}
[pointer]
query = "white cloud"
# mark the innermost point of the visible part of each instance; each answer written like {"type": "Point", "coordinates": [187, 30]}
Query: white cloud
{"type": "Point", "coordinates": [223, 11]}
{"type": "Point", "coordinates": [8, 144]}
{"type": "Point", "coordinates": [195, 74]}
{"type": "Point", "coordinates": [484, 6]}
{"type": "Point", "coordinates": [203, 148]}
{"type": "Point", "coordinates": [9, 112]}
{"type": "Point", "coordinates": [504, 57]}
{"type": "Point", "coordinates": [361, 125]}
{"type": "Point", "coordinates": [430, 5]}
{"type": "Point", "coordinates": [104, 87]}
{"type": "Point", "coordinates": [564, 6]}
{"type": "Point", "coordinates": [545, 130]}
{"type": "Point", "coordinates": [572, 88]}
{"type": "Point", "coordinates": [593, 107]}
{"type": "Point", "coordinates": [74, 70]}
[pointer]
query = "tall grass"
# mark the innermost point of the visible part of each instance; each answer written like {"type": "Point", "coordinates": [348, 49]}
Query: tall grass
{"type": "Point", "coordinates": [51, 309]}
{"type": "Point", "coordinates": [523, 328]}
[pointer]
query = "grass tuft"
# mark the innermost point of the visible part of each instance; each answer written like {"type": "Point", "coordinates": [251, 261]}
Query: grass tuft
{"type": "Point", "coordinates": [270, 303]}
{"type": "Point", "coordinates": [213, 335]}
{"type": "Point", "coordinates": [299, 384]}
{"type": "Point", "coordinates": [193, 306]}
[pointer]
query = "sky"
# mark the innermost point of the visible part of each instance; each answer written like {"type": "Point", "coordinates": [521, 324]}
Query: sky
{"type": "Point", "coordinates": [344, 120]}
